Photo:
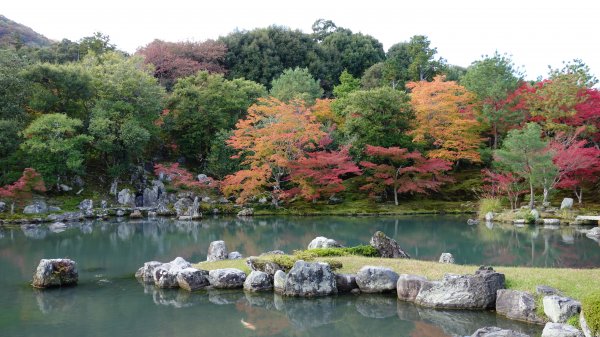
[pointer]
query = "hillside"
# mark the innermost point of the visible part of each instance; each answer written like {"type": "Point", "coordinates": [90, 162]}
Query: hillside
{"type": "Point", "coordinates": [10, 30]}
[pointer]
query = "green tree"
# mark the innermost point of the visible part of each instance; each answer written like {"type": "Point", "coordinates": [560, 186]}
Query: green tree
{"type": "Point", "coordinates": [348, 84]}
{"type": "Point", "coordinates": [374, 76]}
{"type": "Point", "coordinates": [524, 154]}
{"type": "Point", "coordinates": [323, 28]}
{"type": "Point", "coordinates": [55, 144]}
{"type": "Point", "coordinates": [219, 161]}
{"type": "Point", "coordinates": [492, 79]}
{"type": "Point", "coordinates": [97, 44]}
{"type": "Point", "coordinates": [204, 104]}
{"type": "Point", "coordinates": [296, 84]}
{"type": "Point", "coordinates": [411, 61]}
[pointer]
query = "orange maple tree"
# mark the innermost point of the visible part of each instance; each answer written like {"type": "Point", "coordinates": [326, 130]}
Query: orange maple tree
{"type": "Point", "coordinates": [445, 116]}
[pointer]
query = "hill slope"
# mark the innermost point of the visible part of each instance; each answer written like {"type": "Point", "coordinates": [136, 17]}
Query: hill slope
{"type": "Point", "coordinates": [10, 31]}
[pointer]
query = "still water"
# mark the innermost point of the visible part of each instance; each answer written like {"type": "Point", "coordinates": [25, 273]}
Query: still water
{"type": "Point", "coordinates": [109, 302]}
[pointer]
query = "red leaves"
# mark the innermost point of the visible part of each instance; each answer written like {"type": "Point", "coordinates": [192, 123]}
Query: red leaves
{"type": "Point", "coordinates": [182, 178]}
{"type": "Point", "coordinates": [23, 188]}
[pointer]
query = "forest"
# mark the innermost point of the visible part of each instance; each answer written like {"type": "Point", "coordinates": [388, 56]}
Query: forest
{"type": "Point", "coordinates": [279, 115]}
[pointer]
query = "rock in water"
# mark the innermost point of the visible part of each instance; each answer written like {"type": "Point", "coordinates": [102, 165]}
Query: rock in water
{"type": "Point", "coordinates": [387, 247]}
{"type": "Point", "coordinates": [192, 279]}
{"type": "Point", "coordinates": [310, 279]}
{"type": "Point", "coordinates": [409, 286]}
{"type": "Point", "coordinates": [559, 309]}
{"type": "Point", "coordinates": [279, 281]}
{"type": "Point", "coordinates": [246, 212]}
{"type": "Point", "coordinates": [258, 281]}
{"type": "Point", "coordinates": [217, 250]}
{"type": "Point", "coordinates": [372, 279]}
{"type": "Point", "coordinates": [323, 242]}
{"type": "Point", "coordinates": [489, 216]}
{"type": "Point", "coordinates": [345, 283]}
{"type": "Point", "coordinates": [226, 278]}
{"type": "Point", "coordinates": [560, 330]}
{"type": "Point", "coordinates": [517, 305]}
{"type": "Point", "coordinates": [146, 273]}
{"type": "Point", "coordinates": [476, 291]}
{"type": "Point", "coordinates": [446, 258]}
{"type": "Point", "coordinates": [492, 331]}
{"type": "Point", "coordinates": [55, 273]}
{"type": "Point", "coordinates": [567, 203]}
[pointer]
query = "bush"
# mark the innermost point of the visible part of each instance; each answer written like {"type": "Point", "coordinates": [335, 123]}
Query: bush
{"type": "Point", "coordinates": [361, 250]}
{"type": "Point", "coordinates": [489, 205]}
{"type": "Point", "coordinates": [591, 310]}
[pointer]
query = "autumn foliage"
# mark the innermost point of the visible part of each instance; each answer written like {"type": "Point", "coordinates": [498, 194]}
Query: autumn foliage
{"type": "Point", "coordinates": [22, 189]}
{"type": "Point", "coordinates": [182, 178]}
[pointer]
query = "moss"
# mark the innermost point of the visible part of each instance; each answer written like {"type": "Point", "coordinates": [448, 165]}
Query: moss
{"type": "Point", "coordinates": [591, 309]}
{"type": "Point", "coordinates": [574, 321]}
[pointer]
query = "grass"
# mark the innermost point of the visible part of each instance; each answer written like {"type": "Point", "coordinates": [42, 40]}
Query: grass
{"type": "Point", "coordinates": [489, 205]}
{"type": "Point", "coordinates": [591, 309]}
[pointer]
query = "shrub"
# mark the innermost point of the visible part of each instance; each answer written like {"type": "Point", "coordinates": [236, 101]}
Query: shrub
{"type": "Point", "coordinates": [489, 205]}
{"type": "Point", "coordinates": [361, 250]}
{"type": "Point", "coordinates": [591, 310]}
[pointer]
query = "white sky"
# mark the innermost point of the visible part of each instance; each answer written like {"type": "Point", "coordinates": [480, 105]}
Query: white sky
{"type": "Point", "coordinates": [536, 33]}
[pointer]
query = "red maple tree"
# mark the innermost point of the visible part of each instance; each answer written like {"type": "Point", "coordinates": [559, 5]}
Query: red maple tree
{"type": "Point", "coordinates": [22, 189]}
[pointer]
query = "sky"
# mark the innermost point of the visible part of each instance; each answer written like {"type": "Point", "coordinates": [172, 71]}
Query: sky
{"type": "Point", "coordinates": [535, 33]}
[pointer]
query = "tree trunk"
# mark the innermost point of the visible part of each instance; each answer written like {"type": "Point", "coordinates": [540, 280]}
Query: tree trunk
{"type": "Point", "coordinates": [531, 196]}
{"type": "Point", "coordinates": [579, 195]}
{"type": "Point", "coordinates": [12, 208]}
{"type": "Point", "coordinates": [395, 196]}
{"type": "Point", "coordinates": [495, 137]}
{"type": "Point", "coordinates": [546, 192]}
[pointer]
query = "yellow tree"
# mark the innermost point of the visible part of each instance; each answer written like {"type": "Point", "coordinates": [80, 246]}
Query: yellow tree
{"type": "Point", "coordinates": [445, 118]}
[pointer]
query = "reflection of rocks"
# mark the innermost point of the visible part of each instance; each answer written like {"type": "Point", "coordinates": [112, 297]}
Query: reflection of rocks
{"type": "Point", "coordinates": [457, 323]}
{"type": "Point", "coordinates": [57, 227]}
{"type": "Point", "coordinates": [176, 298]}
{"type": "Point", "coordinates": [260, 299]}
{"type": "Point", "coordinates": [125, 231]}
{"type": "Point", "coordinates": [492, 331]}
{"type": "Point", "coordinates": [34, 231]}
{"type": "Point", "coordinates": [376, 306]}
{"type": "Point", "coordinates": [55, 300]}
{"type": "Point", "coordinates": [224, 296]}
{"type": "Point", "coordinates": [306, 313]}
{"type": "Point", "coordinates": [407, 311]}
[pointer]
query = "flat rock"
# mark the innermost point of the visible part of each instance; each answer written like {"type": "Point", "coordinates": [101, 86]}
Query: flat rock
{"type": "Point", "coordinates": [560, 330]}
{"type": "Point", "coordinates": [517, 305]}
{"type": "Point", "coordinates": [55, 273]}
{"type": "Point", "coordinates": [227, 278]}
{"type": "Point", "coordinates": [546, 290]}
{"type": "Point", "coordinates": [217, 250]}
{"type": "Point", "coordinates": [310, 279]}
{"type": "Point", "coordinates": [409, 286]}
{"type": "Point", "coordinates": [323, 242]}
{"type": "Point", "coordinates": [258, 281]}
{"type": "Point", "coordinates": [559, 309]}
{"type": "Point", "coordinates": [192, 279]}
{"type": "Point", "coordinates": [493, 331]}
{"type": "Point", "coordinates": [373, 279]}
{"type": "Point", "coordinates": [387, 247]}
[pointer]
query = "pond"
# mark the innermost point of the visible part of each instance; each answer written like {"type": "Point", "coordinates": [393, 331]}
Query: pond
{"type": "Point", "coordinates": [110, 302]}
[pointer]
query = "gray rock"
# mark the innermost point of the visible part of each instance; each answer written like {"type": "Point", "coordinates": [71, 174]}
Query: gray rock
{"type": "Point", "coordinates": [387, 247]}
{"type": "Point", "coordinates": [234, 256]}
{"type": "Point", "coordinates": [136, 214]}
{"type": "Point", "coordinates": [192, 279]}
{"type": "Point", "coordinates": [534, 214]}
{"type": "Point", "coordinates": [217, 250]}
{"type": "Point", "coordinates": [150, 197]}
{"type": "Point", "coordinates": [476, 291]}
{"type": "Point", "coordinates": [114, 188]}
{"type": "Point", "coordinates": [489, 216]}
{"type": "Point", "coordinates": [560, 330]}
{"type": "Point", "coordinates": [146, 273]}
{"type": "Point", "coordinates": [262, 200]}
{"type": "Point", "coordinates": [279, 281]}
{"type": "Point", "coordinates": [126, 198]}
{"type": "Point", "coordinates": [323, 242]}
{"type": "Point", "coordinates": [560, 309]}
{"type": "Point", "coordinates": [594, 232]}
{"type": "Point", "coordinates": [258, 281]}
{"type": "Point", "coordinates": [517, 305]}
{"type": "Point", "coordinates": [202, 177]}
{"type": "Point", "coordinates": [226, 278]}
{"type": "Point", "coordinates": [310, 279]}
{"type": "Point", "coordinates": [446, 258]}
{"type": "Point", "coordinates": [246, 212]}
{"type": "Point", "coordinates": [409, 286]}
{"type": "Point", "coordinates": [493, 331]}
{"type": "Point", "coordinates": [551, 222]}
{"type": "Point", "coordinates": [65, 188]}
{"type": "Point", "coordinates": [54, 209]}
{"type": "Point", "coordinates": [38, 207]}
{"type": "Point", "coordinates": [55, 273]}
{"type": "Point", "coordinates": [223, 200]}
{"type": "Point", "coordinates": [268, 267]}
{"type": "Point", "coordinates": [120, 212]}
{"type": "Point", "coordinates": [164, 277]}
{"type": "Point", "coordinates": [567, 203]}
{"type": "Point", "coordinates": [371, 279]}
{"type": "Point", "coordinates": [345, 283]}
{"type": "Point", "coordinates": [334, 200]}
{"type": "Point", "coordinates": [546, 290]}
{"type": "Point", "coordinates": [103, 204]}
{"type": "Point", "coordinates": [86, 205]}
{"type": "Point", "coordinates": [2, 206]}
{"type": "Point", "coordinates": [179, 263]}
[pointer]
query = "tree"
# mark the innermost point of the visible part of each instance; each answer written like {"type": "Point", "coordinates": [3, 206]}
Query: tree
{"type": "Point", "coordinates": [22, 189]}
{"type": "Point", "coordinates": [403, 171]}
{"type": "Point", "coordinates": [348, 84]}
{"type": "Point", "coordinates": [323, 28]}
{"type": "Point", "coordinates": [446, 119]}
{"type": "Point", "coordinates": [524, 154]}
{"type": "Point", "coordinates": [272, 135]}
{"type": "Point", "coordinates": [55, 144]}
{"type": "Point", "coordinates": [492, 79]}
{"type": "Point", "coordinates": [503, 183]}
{"type": "Point", "coordinates": [296, 84]}
{"type": "Point", "coordinates": [203, 105]}
{"type": "Point", "coordinates": [97, 44]}
{"type": "Point", "coordinates": [374, 77]}
{"type": "Point", "coordinates": [219, 162]}
{"type": "Point", "coordinates": [321, 173]}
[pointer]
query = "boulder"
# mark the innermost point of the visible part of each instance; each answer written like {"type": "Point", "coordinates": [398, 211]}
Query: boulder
{"type": "Point", "coordinates": [192, 279]}
{"type": "Point", "coordinates": [268, 267]}
{"type": "Point", "coordinates": [567, 203]}
{"type": "Point", "coordinates": [258, 281]}
{"type": "Point", "coordinates": [310, 279]}
{"type": "Point", "coordinates": [387, 247]}
{"type": "Point", "coordinates": [534, 214]}
{"type": "Point", "coordinates": [262, 200]}
{"type": "Point", "coordinates": [323, 242]}
{"type": "Point", "coordinates": [371, 279]}
{"type": "Point", "coordinates": [345, 283]}
{"type": "Point", "coordinates": [279, 281]}
{"type": "Point", "coordinates": [476, 291]}
{"type": "Point", "coordinates": [164, 277]}
{"type": "Point", "coordinates": [126, 198]}
{"type": "Point", "coordinates": [446, 258]}
{"type": "Point", "coordinates": [65, 188]}
{"type": "Point", "coordinates": [492, 331]}
{"type": "Point", "coordinates": [594, 232]}
{"type": "Point", "coordinates": [551, 222]}
{"type": "Point", "coordinates": [559, 309]}
{"type": "Point", "coordinates": [409, 286]}
{"type": "Point", "coordinates": [246, 212]}
{"type": "Point", "coordinates": [517, 305]}
{"type": "Point", "coordinates": [546, 290]}
{"type": "Point", "coordinates": [55, 273]}
{"type": "Point", "coordinates": [136, 214]}
{"type": "Point", "coordinates": [120, 212]}
{"type": "Point", "coordinates": [227, 278]}
{"type": "Point", "coordinates": [182, 205]}
{"type": "Point", "coordinates": [150, 197]}
{"type": "Point", "coordinates": [38, 207]}
{"type": "Point", "coordinates": [146, 273]}
{"type": "Point", "coordinates": [560, 330]}
{"type": "Point", "coordinates": [217, 250]}
{"type": "Point", "coordinates": [86, 205]}
{"type": "Point", "coordinates": [489, 216]}
{"type": "Point", "coordinates": [234, 256]}
{"type": "Point", "coordinates": [2, 206]}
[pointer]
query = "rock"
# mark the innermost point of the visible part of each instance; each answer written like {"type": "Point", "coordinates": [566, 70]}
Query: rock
{"type": "Point", "coordinates": [113, 187]}
{"type": "Point", "coordinates": [472, 222]}
{"type": "Point", "coordinates": [136, 214]}
{"type": "Point", "coordinates": [323, 242]}
{"type": "Point", "coordinates": [560, 330]}
{"type": "Point", "coordinates": [489, 216]}
{"type": "Point", "coordinates": [194, 209]}
{"type": "Point", "coordinates": [567, 203]}
{"type": "Point", "coordinates": [262, 200]}
{"type": "Point", "coordinates": [408, 286]}
{"type": "Point", "coordinates": [273, 252]}
{"type": "Point", "coordinates": [2, 206]}
{"type": "Point", "coordinates": [86, 205]}
{"type": "Point", "coordinates": [234, 256]}
{"type": "Point", "coordinates": [126, 198]}
{"type": "Point", "coordinates": [517, 305]}
{"type": "Point", "coordinates": [371, 279]}
{"type": "Point", "coordinates": [226, 278]}
{"type": "Point", "coordinates": [202, 177]}
{"type": "Point", "coordinates": [120, 212]}
{"type": "Point", "coordinates": [192, 279]}
{"type": "Point", "coordinates": [65, 188]}
{"type": "Point", "coordinates": [551, 222]}
{"type": "Point", "coordinates": [476, 291]}
{"type": "Point", "coordinates": [345, 283]}
{"type": "Point", "coordinates": [152, 215]}
{"type": "Point", "coordinates": [594, 232]}
{"type": "Point", "coordinates": [146, 273]}
{"type": "Point", "coordinates": [268, 267]}
{"type": "Point", "coordinates": [559, 309]}
{"type": "Point", "coordinates": [103, 204]}
{"type": "Point", "coordinates": [446, 258]}
{"type": "Point", "coordinates": [38, 207]}
{"type": "Point", "coordinates": [246, 212]}
{"type": "Point", "coordinates": [150, 197]}
{"type": "Point", "coordinates": [206, 199]}
{"type": "Point", "coordinates": [534, 214]}
{"type": "Point", "coordinates": [387, 247]}
{"type": "Point", "coordinates": [546, 290]}
{"type": "Point", "coordinates": [55, 273]}
{"type": "Point", "coordinates": [182, 205]}
{"type": "Point", "coordinates": [223, 200]}
{"type": "Point", "coordinates": [334, 200]}
{"type": "Point", "coordinates": [279, 281]}
{"type": "Point", "coordinates": [258, 281]}
{"type": "Point", "coordinates": [310, 279]}
{"type": "Point", "coordinates": [179, 263]}
{"type": "Point", "coordinates": [217, 250]}
{"type": "Point", "coordinates": [493, 331]}
{"type": "Point", "coordinates": [162, 209]}
{"type": "Point", "coordinates": [164, 277]}
{"type": "Point", "coordinates": [54, 209]}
